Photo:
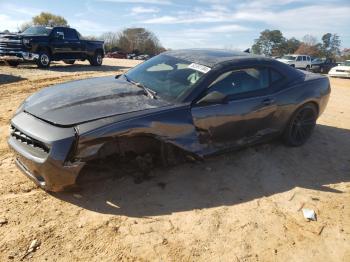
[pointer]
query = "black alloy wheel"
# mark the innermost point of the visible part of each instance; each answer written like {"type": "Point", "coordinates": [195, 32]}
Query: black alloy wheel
{"type": "Point", "coordinates": [301, 125]}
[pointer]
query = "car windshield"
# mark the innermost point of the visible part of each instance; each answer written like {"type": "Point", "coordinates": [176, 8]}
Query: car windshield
{"type": "Point", "coordinates": [168, 76]}
{"type": "Point", "coordinates": [37, 30]}
{"type": "Point", "coordinates": [319, 60]}
{"type": "Point", "coordinates": [288, 57]}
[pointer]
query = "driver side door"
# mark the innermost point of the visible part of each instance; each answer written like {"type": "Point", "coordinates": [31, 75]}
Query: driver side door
{"type": "Point", "coordinates": [245, 116]}
{"type": "Point", "coordinates": [57, 43]}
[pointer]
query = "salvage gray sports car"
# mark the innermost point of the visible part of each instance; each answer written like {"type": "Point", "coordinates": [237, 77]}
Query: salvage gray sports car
{"type": "Point", "coordinates": [193, 102]}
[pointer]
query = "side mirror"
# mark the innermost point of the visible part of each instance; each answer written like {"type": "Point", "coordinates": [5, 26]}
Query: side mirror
{"type": "Point", "coordinates": [214, 97]}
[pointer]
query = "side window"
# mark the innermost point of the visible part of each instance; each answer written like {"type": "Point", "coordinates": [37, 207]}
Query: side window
{"type": "Point", "coordinates": [70, 34]}
{"type": "Point", "coordinates": [58, 33]}
{"type": "Point", "coordinates": [299, 58]}
{"type": "Point", "coordinates": [241, 81]}
{"type": "Point", "coordinates": [275, 76]}
{"type": "Point", "coordinates": [304, 58]}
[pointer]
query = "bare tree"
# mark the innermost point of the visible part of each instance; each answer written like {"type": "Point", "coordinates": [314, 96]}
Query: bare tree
{"type": "Point", "coordinates": [310, 40]}
{"type": "Point", "coordinates": [24, 26]}
{"type": "Point", "coordinates": [306, 49]}
{"type": "Point", "coordinates": [111, 41]}
{"type": "Point", "coordinates": [309, 46]}
{"type": "Point", "coordinates": [138, 40]}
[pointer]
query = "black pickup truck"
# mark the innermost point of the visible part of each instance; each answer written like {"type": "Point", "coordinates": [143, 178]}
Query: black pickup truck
{"type": "Point", "coordinates": [42, 45]}
{"type": "Point", "coordinates": [322, 65]}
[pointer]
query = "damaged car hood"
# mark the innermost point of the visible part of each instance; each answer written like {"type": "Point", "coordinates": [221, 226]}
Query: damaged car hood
{"type": "Point", "coordinates": [86, 100]}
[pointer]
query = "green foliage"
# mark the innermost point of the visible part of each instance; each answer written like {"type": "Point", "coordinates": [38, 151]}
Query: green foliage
{"type": "Point", "coordinates": [330, 45]}
{"type": "Point", "coordinates": [291, 46]}
{"type": "Point", "coordinates": [48, 19]}
{"type": "Point", "coordinates": [270, 43]}
{"type": "Point", "coordinates": [273, 43]}
{"type": "Point", "coordinates": [44, 19]}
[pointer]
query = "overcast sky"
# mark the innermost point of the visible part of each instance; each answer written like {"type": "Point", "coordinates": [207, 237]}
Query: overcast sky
{"type": "Point", "coordinates": [192, 23]}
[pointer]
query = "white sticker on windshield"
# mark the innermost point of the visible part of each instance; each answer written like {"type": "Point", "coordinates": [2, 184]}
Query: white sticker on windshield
{"type": "Point", "coordinates": [200, 68]}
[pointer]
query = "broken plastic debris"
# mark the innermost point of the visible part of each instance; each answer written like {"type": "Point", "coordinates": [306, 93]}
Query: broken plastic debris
{"type": "Point", "coordinates": [77, 195]}
{"type": "Point", "coordinates": [111, 204]}
{"type": "Point", "coordinates": [34, 245]}
{"type": "Point", "coordinates": [309, 214]}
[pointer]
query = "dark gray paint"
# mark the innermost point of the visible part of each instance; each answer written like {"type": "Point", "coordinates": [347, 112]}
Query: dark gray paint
{"type": "Point", "coordinates": [81, 101]}
{"type": "Point", "coordinates": [105, 111]}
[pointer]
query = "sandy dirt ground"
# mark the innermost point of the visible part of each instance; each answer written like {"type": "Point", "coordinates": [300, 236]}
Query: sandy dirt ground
{"type": "Point", "coordinates": [242, 206]}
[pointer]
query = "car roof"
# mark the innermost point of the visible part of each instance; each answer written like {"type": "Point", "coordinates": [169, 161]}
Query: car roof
{"type": "Point", "coordinates": [209, 57]}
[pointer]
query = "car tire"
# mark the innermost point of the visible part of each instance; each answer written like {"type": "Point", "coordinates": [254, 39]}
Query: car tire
{"type": "Point", "coordinates": [44, 59]}
{"type": "Point", "coordinates": [13, 63]}
{"type": "Point", "coordinates": [300, 126]}
{"type": "Point", "coordinates": [69, 62]}
{"type": "Point", "coordinates": [97, 59]}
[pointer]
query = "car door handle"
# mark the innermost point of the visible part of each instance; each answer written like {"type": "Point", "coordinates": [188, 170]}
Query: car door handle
{"type": "Point", "coordinates": [268, 101]}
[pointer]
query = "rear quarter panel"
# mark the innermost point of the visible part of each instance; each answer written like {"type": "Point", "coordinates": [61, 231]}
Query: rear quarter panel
{"type": "Point", "coordinates": [310, 88]}
{"type": "Point", "coordinates": [91, 46]}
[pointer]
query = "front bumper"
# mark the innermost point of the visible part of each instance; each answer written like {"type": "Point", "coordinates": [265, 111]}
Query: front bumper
{"type": "Point", "coordinates": [50, 170]}
{"type": "Point", "coordinates": [339, 74]}
{"type": "Point", "coordinates": [20, 56]}
{"type": "Point", "coordinates": [315, 68]}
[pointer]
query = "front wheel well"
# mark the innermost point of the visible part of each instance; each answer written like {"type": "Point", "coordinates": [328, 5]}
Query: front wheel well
{"type": "Point", "coordinates": [130, 147]}
{"type": "Point", "coordinates": [44, 48]}
{"type": "Point", "coordinates": [315, 104]}
{"type": "Point", "coordinates": [99, 50]}
{"type": "Point", "coordinates": [130, 155]}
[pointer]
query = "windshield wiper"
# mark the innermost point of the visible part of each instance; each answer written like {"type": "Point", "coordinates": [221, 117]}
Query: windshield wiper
{"type": "Point", "coordinates": [149, 92]}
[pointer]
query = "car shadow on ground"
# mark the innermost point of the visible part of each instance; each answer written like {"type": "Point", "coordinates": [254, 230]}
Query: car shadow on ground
{"type": "Point", "coordinates": [59, 67]}
{"type": "Point", "coordinates": [226, 180]}
{"type": "Point", "coordinates": [86, 68]}
{"type": "Point", "coordinates": [8, 79]}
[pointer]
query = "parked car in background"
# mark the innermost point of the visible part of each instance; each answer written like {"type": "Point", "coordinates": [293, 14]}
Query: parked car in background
{"type": "Point", "coordinates": [130, 56]}
{"type": "Point", "coordinates": [42, 45]}
{"type": "Point", "coordinates": [297, 61]}
{"type": "Point", "coordinates": [116, 54]}
{"type": "Point", "coordinates": [341, 70]}
{"type": "Point", "coordinates": [183, 102]}
{"type": "Point", "coordinates": [141, 57]}
{"type": "Point", "coordinates": [322, 65]}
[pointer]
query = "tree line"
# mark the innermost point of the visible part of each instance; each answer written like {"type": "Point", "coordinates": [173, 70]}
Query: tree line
{"type": "Point", "coordinates": [143, 41]}
{"type": "Point", "coordinates": [273, 43]}
{"type": "Point", "coordinates": [129, 40]}
{"type": "Point", "coordinates": [133, 40]}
